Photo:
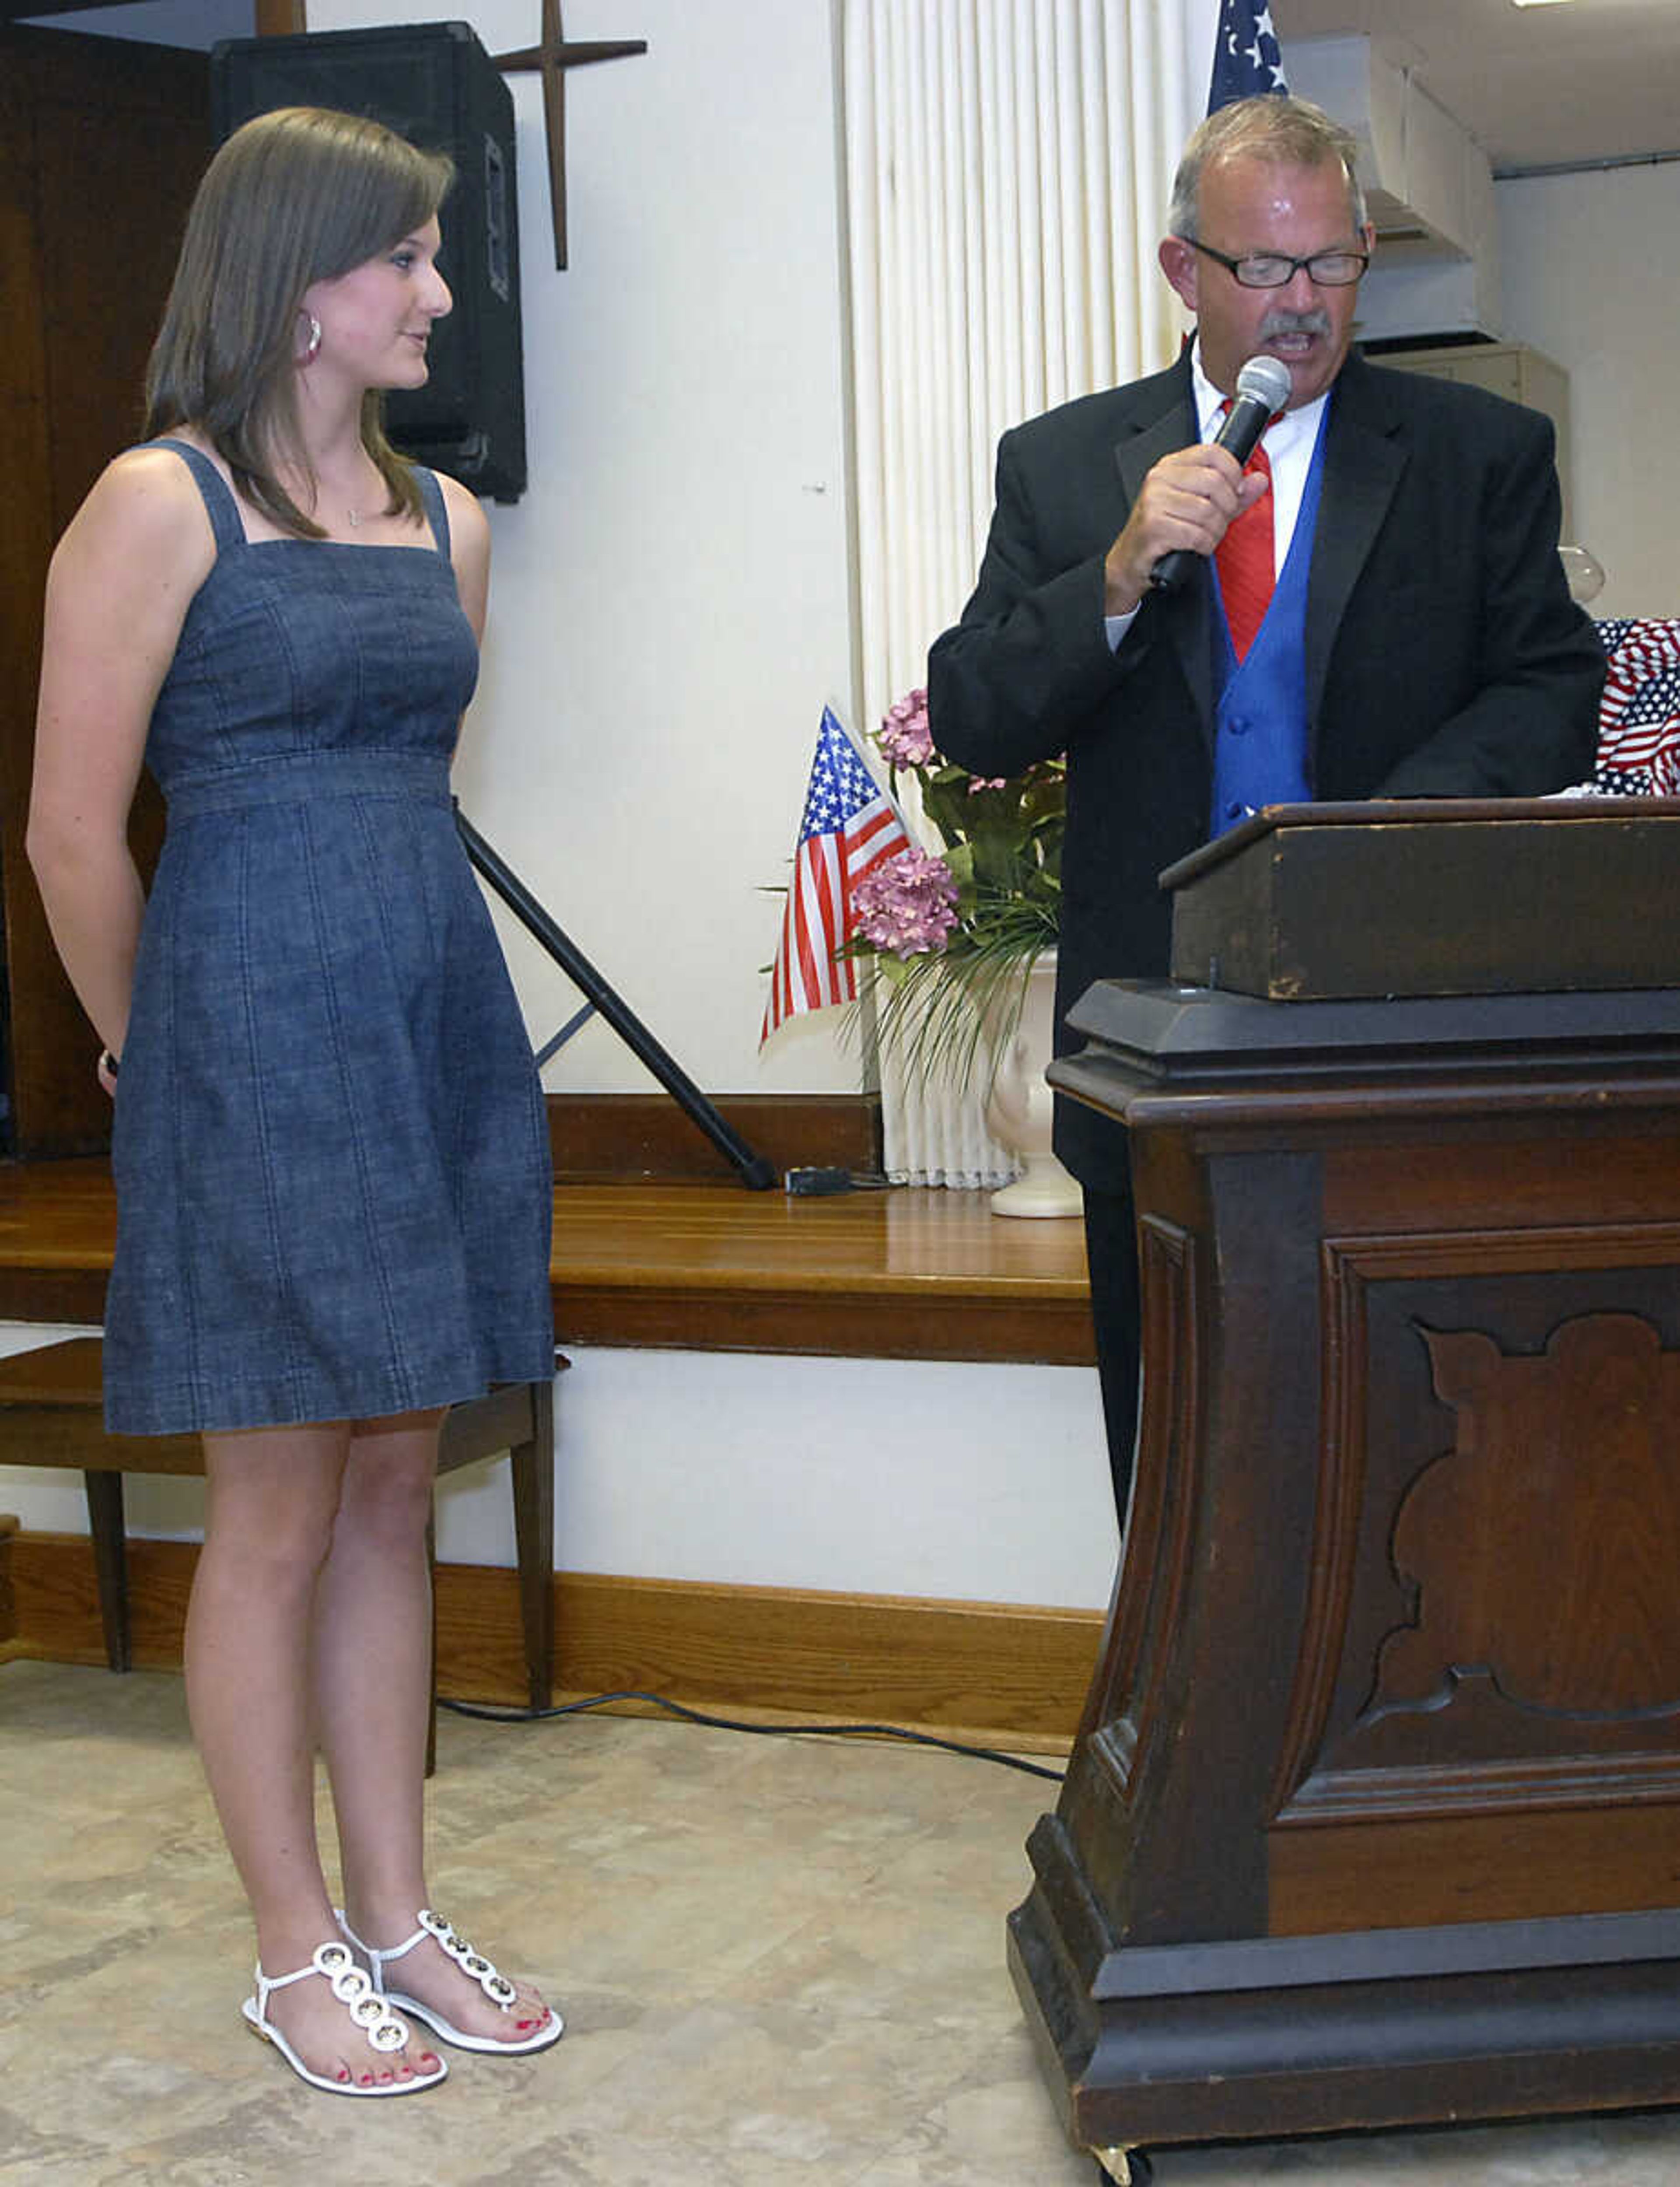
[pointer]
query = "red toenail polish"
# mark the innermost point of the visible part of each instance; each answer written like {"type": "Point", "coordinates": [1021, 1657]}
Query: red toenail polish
{"type": "Point", "coordinates": [344, 2072]}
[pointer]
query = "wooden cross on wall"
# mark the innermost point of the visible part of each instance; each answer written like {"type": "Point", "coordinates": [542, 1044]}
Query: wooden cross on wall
{"type": "Point", "coordinates": [554, 57]}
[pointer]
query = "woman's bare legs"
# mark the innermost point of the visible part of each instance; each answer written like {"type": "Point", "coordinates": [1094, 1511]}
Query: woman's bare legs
{"type": "Point", "coordinates": [373, 1693]}
{"type": "Point", "coordinates": [273, 1500]}
{"type": "Point", "coordinates": [372, 1667]}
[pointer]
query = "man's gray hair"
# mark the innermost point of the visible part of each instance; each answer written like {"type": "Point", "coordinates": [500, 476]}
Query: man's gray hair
{"type": "Point", "coordinates": [1281, 132]}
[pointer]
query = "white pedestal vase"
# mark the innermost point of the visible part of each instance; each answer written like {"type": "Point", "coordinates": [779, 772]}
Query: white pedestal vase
{"type": "Point", "coordinates": [1019, 1105]}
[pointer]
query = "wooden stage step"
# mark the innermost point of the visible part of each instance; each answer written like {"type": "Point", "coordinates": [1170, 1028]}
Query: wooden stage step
{"type": "Point", "coordinates": [905, 1273]}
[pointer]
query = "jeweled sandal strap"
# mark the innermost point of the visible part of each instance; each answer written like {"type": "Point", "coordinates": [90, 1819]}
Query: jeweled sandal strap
{"type": "Point", "coordinates": [495, 1985]}
{"type": "Point", "coordinates": [352, 1987]}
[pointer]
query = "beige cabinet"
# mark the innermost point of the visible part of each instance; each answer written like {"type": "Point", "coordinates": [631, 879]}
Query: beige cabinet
{"type": "Point", "coordinates": [1507, 369]}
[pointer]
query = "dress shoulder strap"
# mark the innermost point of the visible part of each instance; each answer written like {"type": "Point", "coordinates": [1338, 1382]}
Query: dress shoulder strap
{"type": "Point", "coordinates": [219, 500]}
{"type": "Point", "coordinates": [436, 508]}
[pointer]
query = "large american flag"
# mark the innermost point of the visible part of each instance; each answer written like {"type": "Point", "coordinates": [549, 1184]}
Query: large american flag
{"type": "Point", "coordinates": [849, 829]}
{"type": "Point", "coordinates": [1246, 56]}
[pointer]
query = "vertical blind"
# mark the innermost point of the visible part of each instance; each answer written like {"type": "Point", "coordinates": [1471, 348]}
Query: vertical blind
{"type": "Point", "coordinates": [1007, 168]}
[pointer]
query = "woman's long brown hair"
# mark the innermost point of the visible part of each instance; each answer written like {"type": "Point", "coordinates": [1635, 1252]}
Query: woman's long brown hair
{"type": "Point", "coordinates": [298, 195]}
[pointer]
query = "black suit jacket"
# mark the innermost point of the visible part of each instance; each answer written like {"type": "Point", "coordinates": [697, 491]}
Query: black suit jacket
{"type": "Point", "coordinates": [1444, 656]}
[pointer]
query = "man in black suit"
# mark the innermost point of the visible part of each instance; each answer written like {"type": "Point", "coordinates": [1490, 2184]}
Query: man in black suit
{"type": "Point", "coordinates": [1421, 641]}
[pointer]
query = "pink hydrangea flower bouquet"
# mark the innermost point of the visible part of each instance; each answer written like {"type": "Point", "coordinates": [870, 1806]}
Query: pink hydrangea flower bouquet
{"type": "Point", "coordinates": [954, 932]}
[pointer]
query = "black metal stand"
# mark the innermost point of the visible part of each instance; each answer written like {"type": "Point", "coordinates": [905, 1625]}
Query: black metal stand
{"type": "Point", "coordinates": [757, 1174]}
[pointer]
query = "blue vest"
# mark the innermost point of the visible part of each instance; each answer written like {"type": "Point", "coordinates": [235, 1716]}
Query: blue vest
{"type": "Point", "coordinates": [1260, 725]}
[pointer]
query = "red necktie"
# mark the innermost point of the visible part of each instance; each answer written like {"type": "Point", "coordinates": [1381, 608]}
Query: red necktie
{"type": "Point", "coordinates": [1244, 557]}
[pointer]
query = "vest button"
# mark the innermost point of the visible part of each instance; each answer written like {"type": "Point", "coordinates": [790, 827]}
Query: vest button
{"type": "Point", "coordinates": [1237, 812]}
{"type": "Point", "coordinates": [1238, 727]}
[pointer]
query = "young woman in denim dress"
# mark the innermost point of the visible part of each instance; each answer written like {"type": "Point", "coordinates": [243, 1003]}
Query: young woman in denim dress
{"type": "Point", "coordinates": [328, 1143]}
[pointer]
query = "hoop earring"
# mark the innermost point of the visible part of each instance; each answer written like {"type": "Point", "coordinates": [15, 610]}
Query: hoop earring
{"type": "Point", "coordinates": [312, 348]}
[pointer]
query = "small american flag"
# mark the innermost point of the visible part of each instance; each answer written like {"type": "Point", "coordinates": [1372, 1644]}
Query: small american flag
{"type": "Point", "coordinates": [849, 827]}
{"type": "Point", "coordinates": [1246, 56]}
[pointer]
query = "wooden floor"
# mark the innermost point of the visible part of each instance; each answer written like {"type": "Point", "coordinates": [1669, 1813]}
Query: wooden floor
{"type": "Point", "coordinates": [901, 1273]}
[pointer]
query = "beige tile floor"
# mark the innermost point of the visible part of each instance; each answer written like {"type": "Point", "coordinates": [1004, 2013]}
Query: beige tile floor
{"type": "Point", "coordinates": [781, 1961]}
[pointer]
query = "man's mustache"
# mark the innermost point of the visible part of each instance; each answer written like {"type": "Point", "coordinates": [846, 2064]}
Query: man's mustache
{"type": "Point", "coordinates": [1280, 322]}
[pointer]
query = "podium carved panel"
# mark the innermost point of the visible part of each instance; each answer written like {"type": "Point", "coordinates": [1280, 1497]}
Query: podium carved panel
{"type": "Point", "coordinates": [1511, 1594]}
{"type": "Point", "coordinates": [1545, 1546]}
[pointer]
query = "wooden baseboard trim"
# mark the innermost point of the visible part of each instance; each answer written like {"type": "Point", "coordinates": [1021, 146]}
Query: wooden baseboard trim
{"type": "Point", "coordinates": [1000, 1674]}
{"type": "Point", "coordinates": [607, 1138]}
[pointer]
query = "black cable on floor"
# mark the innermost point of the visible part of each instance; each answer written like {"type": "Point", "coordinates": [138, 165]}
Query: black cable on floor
{"type": "Point", "coordinates": [761, 1730]}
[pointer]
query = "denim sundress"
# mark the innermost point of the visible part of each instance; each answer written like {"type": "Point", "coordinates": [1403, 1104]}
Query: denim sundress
{"type": "Point", "coordinates": [329, 1146]}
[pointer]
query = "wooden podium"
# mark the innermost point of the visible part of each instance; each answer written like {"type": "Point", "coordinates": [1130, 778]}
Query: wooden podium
{"type": "Point", "coordinates": [1374, 1815]}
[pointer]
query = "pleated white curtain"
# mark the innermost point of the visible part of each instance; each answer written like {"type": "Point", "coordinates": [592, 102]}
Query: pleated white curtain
{"type": "Point", "coordinates": [1007, 167]}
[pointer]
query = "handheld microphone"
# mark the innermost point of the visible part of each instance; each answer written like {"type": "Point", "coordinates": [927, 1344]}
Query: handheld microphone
{"type": "Point", "coordinates": [1263, 387]}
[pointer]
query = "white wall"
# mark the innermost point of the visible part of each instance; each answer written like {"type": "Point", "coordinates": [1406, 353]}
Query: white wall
{"type": "Point", "coordinates": [670, 604]}
{"type": "Point", "coordinates": [1592, 270]}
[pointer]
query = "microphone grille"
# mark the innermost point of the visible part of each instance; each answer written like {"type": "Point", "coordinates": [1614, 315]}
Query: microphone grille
{"type": "Point", "coordinates": [1265, 380]}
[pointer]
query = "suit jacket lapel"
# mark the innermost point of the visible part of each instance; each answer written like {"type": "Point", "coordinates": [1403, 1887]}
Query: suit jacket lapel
{"type": "Point", "coordinates": [1362, 464]}
{"type": "Point", "coordinates": [1188, 631]}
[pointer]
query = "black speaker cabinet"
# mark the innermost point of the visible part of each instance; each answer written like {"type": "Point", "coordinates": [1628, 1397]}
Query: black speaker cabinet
{"type": "Point", "coordinates": [434, 84]}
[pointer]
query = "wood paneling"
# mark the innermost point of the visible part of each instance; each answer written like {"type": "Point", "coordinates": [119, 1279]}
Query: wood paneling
{"type": "Point", "coordinates": [605, 1138]}
{"type": "Point", "coordinates": [1380, 1779]}
{"type": "Point", "coordinates": [101, 143]}
{"type": "Point", "coordinates": [1461, 1868]}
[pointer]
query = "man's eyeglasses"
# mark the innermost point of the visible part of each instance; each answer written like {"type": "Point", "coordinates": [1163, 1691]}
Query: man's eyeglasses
{"type": "Point", "coordinates": [1330, 269]}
